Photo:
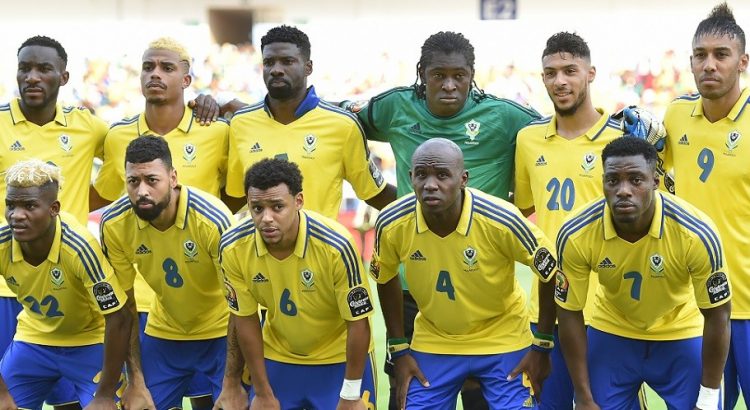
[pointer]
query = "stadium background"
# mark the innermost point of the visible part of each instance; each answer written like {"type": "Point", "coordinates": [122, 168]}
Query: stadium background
{"type": "Point", "coordinates": [359, 48]}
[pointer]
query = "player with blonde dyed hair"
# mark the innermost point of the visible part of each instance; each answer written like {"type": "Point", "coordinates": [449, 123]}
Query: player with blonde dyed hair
{"type": "Point", "coordinates": [57, 271]}
{"type": "Point", "coordinates": [170, 44]}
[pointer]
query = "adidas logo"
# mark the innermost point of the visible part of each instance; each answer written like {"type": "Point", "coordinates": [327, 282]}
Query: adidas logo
{"type": "Point", "coordinates": [259, 278]}
{"type": "Point", "coordinates": [11, 281]}
{"type": "Point", "coordinates": [142, 250]}
{"type": "Point", "coordinates": [606, 264]}
{"type": "Point", "coordinates": [17, 146]}
{"type": "Point", "coordinates": [256, 148]}
{"type": "Point", "coordinates": [540, 161]}
{"type": "Point", "coordinates": [415, 129]}
{"type": "Point", "coordinates": [417, 256]}
{"type": "Point", "coordinates": [684, 140]}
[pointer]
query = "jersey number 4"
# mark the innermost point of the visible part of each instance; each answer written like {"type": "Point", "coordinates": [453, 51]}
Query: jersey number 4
{"type": "Point", "coordinates": [444, 284]}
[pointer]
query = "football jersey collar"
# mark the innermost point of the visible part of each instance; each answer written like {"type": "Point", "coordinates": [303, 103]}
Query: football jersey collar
{"type": "Point", "coordinates": [310, 101]}
{"type": "Point", "coordinates": [734, 114]}
{"type": "Point", "coordinates": [18, 117]}
{"type": "Point", "coordinates": [185, 123]}
{"type": "Point", "coordinates": [593, 132]}
{"type": "Point", "coordinates": [657, 222]}
{"type": "Point", "coordinates": [54, 251]}
{"type": "Point", "coordinates": [464, 222]}
{"type": "Point", "coordinates": [182, 210]}
{"type": "Point", "coordinates": [300, 246]}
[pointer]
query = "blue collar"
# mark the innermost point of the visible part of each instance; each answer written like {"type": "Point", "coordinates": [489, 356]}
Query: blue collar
{"type": "Point", "coordinates": [310, 101]}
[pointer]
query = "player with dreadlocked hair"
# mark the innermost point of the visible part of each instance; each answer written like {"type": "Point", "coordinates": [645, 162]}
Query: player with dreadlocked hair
{"type": "Point", "coordinates": [445, 102]}
{"type": "Point", "coordinates": [710, 164]}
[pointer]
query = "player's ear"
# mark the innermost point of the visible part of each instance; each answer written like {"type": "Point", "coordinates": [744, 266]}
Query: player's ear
{"type": "Point", "coordinates": [464, 179]}
{"type": "Point", "coordinates": [299, 200]}
{"type": "Point", "coordinates": [308, 67]}
{"type": "Point", "coordinates": [64, 78]}
{"type": "Point", "coordinates": [187, 79]}
{"type": "Point", "coordinates": [743, 63]}
{"type": "Point", "coordinates": [54, 208]}
{"type": "Point", "coordinates": [173, 178]}
{"type": "Point", "coordinates": [592, 73]}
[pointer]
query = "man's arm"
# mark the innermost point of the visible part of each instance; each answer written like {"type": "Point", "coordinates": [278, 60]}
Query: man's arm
{"type": "Point", "coordinates": [117, 330]}
{"type": "Point", "coordinates": [232, 395]}
{"type": "Point", "coordinates": [528, 211]}
{"type": "Point", "coordinates": [250, 340]}
{"type": "Point", "coordinates": [357, 344]}
{"type": "Point", "coordinates": [716, 332]}
{"type": "Point", "coordinates": [6, 400]}
{"type": "Point", "coordinates": [234, 204]}
{"type": "Point", "coordinates": [95, 200]}
{"type": "Point", "coordinates": [136, 393]}
{"type": "Point", "coordinates": [573, 342]}
{"type": "Point", "coordinates": [385, 197]}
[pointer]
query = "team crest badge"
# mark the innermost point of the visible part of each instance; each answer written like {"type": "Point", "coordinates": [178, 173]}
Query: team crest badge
{"type": "Point", "coordinates": [472, 130]}
{"type": "Point", "coordinates": [190, 249]}
{"type": "Point", "coordinates": [657, 264]}
{"type": "Point", "coordinates": [311, 143]}
{"type": "Point", "coordinates": [56, 275]}
{"type": "Point", "coordinates": [589, 162]}
{"type": "Point", "coordinates": [65, 142]}
{"type": "Point", "coordinates": [189, 152]}
{"type": "Point", "coordinates": [470, 256]}
{"type": "Point", "coordinates": [307, 278]}
{"type": "Point", "coordinates": [733, 140]}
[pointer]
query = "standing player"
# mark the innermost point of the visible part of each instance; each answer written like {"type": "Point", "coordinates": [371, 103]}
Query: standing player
{"type": "Point", "coordinates": [292, 123]}
{"type": "Point", "coordinates": [445, 102]}
{"type": "Point", "coordinates": [656, 256]}
{"type": "Point", "coordinates": [306, 270]}
{"type": "Point", "coordinates": [557, 167]}
{"type": "Point", "coordinates": [459, 246]}
{"type": "Point", "coordinates": [710, 160]}
{"type": "Point", "coordinates": [171, 234]}
{"type": "Point", "coordinates": [56, 269]}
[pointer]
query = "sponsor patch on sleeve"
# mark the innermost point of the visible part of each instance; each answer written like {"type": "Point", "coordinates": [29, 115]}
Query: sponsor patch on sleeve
{"type": "Point", "coordinates": [374, 267]}
{"type": "Point", "coordinates": [544, 262]}
{"type": "Point", "coordinates": [105, 296]}
{"type": "Point", "coordinates": [231, 296]}
{"type": "Point", "coordinates": [561, 286]}
{"type": "Point", "coordinates": [717, 286]}
{"type": "Point", "coordinates": [359, 301]}
{"type": "Point", "coordinates": [377, 176]}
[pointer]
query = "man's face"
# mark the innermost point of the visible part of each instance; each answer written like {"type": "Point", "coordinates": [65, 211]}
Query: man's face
{"type": "Point", "coordinates": [40, 74]}
{"type": "Point", "coordinates": [566, 78]}
{"type": "Point", "coordinates": [717, 62]}
{"type": "Point", "coordinates": [164, 76]}
{"type": "Point", "coordinates": [149, 187]}
{"type": "Point", "coordinates": [275, 213]}
{"type": "Point", "coordinates": [447, 79]}
{"type": "Point", "coordinates": [629, 185]}
{"type": "Point", "coordinates": [437, 180]}
{"type": "Point", "coordinates": [30, 212]}
{"type": "Point", "coordinates": [285, 70]}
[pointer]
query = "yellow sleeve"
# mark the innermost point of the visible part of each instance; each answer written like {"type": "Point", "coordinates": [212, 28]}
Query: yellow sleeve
{"type": "Point", "coordinates": [224, 158]}
{"type": "Point", "coordinates": [99, 129]}
{"type": "Point", "coordinates": [572, 279]}
{"type": "Point", "coordinates": [522, 195]}
{"type": "Point", "coordinates": [530, 246]}
{"type": "Point", "coordinates": [235, 169]}
{"type": "Point", "coordinates": [109, 184]}
{"type": "Point", "coordinates": [351, 287]}
{"type": "Point", "coordinates": [239, 298]}
{"type": "Point", "coordinates": [384, 261]}
{"type": "Point", "coordinates": [103, 286]}
{"type": "Point", "coordinates": [710, 280]}
{"type": "Point", "coordinates": [123, 267]}
{"type": "Point", "coordinates": [359, 169]}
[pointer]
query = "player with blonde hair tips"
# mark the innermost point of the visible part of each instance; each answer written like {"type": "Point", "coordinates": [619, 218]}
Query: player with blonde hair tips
{"type": "Point", "coordinates": [72, 302]}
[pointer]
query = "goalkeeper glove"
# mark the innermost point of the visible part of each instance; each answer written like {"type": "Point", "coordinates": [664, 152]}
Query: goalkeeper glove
{"type": "Point", "coordinates": [353, 106]}
{"type": "Point", "coordinates": [642, 124]}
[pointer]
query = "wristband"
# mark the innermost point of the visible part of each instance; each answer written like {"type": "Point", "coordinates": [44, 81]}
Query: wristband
{"type": "Point", "coordinates": [350, 389]}
{"type": "Point", "coordinates": [708, 398]}
{"type": "Point", "coordinates": [542, 342]}
{"type": "Point", "coordinates": [396, 341]}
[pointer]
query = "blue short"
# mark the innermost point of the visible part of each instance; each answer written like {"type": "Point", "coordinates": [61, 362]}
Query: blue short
{"type": "Point", "coordinates": [447, 373]}
{"type": "Point", "coordinates": [31, 371]}
{"type": "Point", "coordinates": [300, 386]}
{"type": "Point", "coordinates": [737, 369]}
{"type": "Point", "coordinates": [618, 366]}
{"type": "Point", "coordinates": [170, 365]}
{"type": "Point", "coordinates": [557, 389]}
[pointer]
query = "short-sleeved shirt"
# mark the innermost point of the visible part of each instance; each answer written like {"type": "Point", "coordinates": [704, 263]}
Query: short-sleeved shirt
{"type": "Point", "coordinates": [650, 289]}
{"type": "Point", "coordinates": [310, 295]}
{"type": "Point", "coordinates": [557, 176]}
{"type": "Point", "coordinates": [326, 142]}
{"type": "Point", "coordinates": [485, 129]}
{"type": "Point", "coordinates": [464, 284]}
{"type": "Point", "coordinates": [65, 296]}
{"type": "Point", "coordinates": [712, 172]}
{"type": "Point", "coordinates": [180, 264]}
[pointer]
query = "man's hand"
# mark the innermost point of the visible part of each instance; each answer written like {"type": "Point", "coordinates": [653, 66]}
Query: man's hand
{"type": "Point", "coordinates": [6, 401]}
{"type": "Point", "coordinates": [537, 366]}
{"type": "Point", "coordinates": [265, 403]}
{"type": "Point", "coordinates": [587, 405]}
{"type": "Point", "coordinates": [232, 397]}
{"type": "Point", "coordinates": [351, 405]}
{"type": "Point", "coordinates": [205, 109]}
{"type": "Point", "coordinates": [641, 123]}
{"type": "Point", "coordinates": [101, 403]}
{"type": "Point", "coordinates": [406, 368]}
{"type": "Point", "coordinates": [137, 398]}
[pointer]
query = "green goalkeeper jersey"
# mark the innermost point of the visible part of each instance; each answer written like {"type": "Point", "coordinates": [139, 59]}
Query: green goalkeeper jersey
{"type": "Point", "coordinates": [485, 129]}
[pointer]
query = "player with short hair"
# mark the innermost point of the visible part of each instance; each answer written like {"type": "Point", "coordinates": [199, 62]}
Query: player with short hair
{"type": "Point", "coordinates": [293, 123]}
{"type": "Point", "coordinates": [659, 260]}
{"type": "Point", "coordinates": [557, 169]}
{"type": "Point", "coordinates": [446, 102]}
{"type": "Point", "coordinates": [709, 158]}
{"type": "Point", "coordinates": [72, 299]}
{"type": "Point", "coordinates": [305, 269]}
{"type": "Point", "coordinates": [459, 246]}
{"type": "Point", "coordinates": [170, 233]}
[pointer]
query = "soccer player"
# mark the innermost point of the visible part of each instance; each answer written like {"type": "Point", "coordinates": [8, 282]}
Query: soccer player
{"type": "Point", "coordinates": [292, 123]}
{"type": "Point", "coordinates": [171, 234]}
{"type": "Point", "coordinates": [446, 102]}
{"type": "Point", "coordinates": [305, 268]}
{"type": "Point", "coordinates": [57, 270]}
{"type": "Point", "coordinates": [557, 168]}
{"type": "Point", "coordinates": [459, 246]}
{"type": "Point", "coordinates": [705, 148]}
{"type": "Point", "coordinates": [659, 260]}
